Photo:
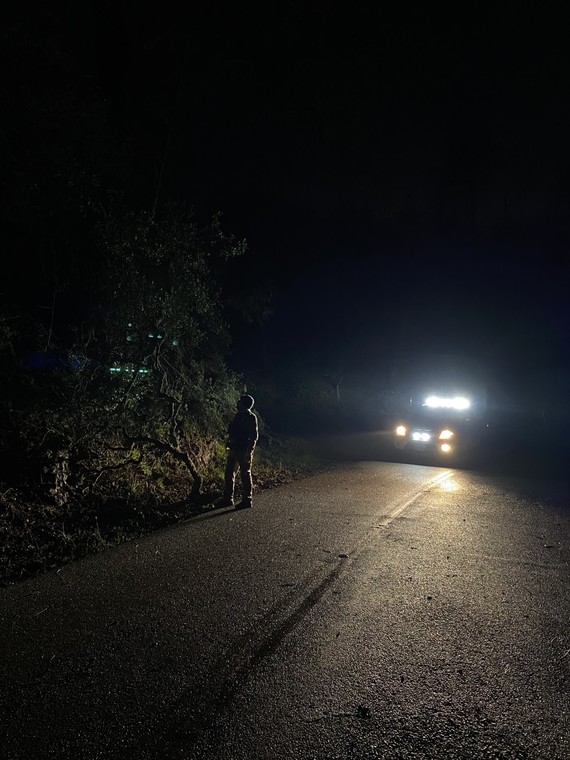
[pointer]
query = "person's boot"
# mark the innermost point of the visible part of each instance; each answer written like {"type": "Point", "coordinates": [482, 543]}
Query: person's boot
{"type": "Point", "coordinates": [224, 501]}
{"type": "Point", "coordinates": [244, 504]}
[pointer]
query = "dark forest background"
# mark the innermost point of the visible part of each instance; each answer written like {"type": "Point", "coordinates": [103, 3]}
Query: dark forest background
{"type": "Point", "coordinates": [320, 207]}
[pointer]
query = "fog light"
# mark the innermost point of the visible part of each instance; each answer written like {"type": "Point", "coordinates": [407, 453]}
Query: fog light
{"type": "Point", "coordinates": [401, 430]}
{"type": "Point", "coordinates": [446, 448]}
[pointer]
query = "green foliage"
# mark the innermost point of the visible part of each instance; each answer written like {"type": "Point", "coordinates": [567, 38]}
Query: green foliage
{"type": "Point", "coordinates": [158, 283]}
{"type": "Point", "coordinates": [134, 403]}
{"type": "Point", "coordinates": [36, 535]}
{"type": "Point", "coordinates": [114, 390]}
{"type": "Point", "coordinates": [91, 406]}
{"type": "Point", "coordinates": [163, 317]}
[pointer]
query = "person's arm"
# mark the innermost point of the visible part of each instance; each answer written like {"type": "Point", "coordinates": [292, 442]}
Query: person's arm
{"type": "Point", "coordinates": [254, 434]}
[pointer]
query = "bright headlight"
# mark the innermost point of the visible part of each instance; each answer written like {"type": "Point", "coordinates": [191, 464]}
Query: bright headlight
{"type": "Point", "coordinates": [445, 435]}
{"type": "Point", "coordinates": [446, 448]}
{"type": "Point", "coordinates": [401, 430]}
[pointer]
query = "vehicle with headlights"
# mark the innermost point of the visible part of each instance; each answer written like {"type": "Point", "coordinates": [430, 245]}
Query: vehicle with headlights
{"type": "Point", "coordinates": [442, 425]}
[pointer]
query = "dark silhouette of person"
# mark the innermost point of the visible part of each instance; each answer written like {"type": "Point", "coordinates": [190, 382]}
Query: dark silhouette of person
{"type": "Point", "coordinates": [242, 437]}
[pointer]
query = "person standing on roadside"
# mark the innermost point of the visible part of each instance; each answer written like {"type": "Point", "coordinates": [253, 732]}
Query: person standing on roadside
{"type": "Point", "coordinates": [242, 437]}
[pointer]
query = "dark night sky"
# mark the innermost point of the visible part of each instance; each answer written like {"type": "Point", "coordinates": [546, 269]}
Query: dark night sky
{"type": "Point", "coordinates": [401, 174]}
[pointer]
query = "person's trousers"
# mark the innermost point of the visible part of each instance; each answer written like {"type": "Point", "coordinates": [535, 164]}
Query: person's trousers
{"type": "Point", "coordinates": [242, 459]}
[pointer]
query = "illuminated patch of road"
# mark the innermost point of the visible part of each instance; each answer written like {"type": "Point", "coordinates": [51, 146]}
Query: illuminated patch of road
{"type": "Point", "coordinates": [444, 480]}
{"type": "Point", "coordinates": [262, 640]}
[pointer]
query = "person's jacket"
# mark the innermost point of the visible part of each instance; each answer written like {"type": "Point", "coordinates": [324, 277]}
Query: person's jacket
{"type": "Point", "coordinates": [243, 432]}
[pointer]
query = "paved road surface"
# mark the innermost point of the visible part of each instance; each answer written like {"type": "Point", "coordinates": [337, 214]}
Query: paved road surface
{"type": "Point", "coordinates": [380, 610]}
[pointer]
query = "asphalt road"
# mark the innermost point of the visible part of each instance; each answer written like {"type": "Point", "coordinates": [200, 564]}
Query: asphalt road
{"type": "Point", "coordinates": [378, 610]}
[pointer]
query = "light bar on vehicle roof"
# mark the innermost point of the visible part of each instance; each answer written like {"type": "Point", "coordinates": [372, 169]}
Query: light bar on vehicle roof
{"type": "Point", "coordinates": [441, 402]}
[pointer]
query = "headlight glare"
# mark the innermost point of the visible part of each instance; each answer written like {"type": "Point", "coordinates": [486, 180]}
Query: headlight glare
{"type": "Point", "coordinates": [401, 430]}
{"type": "Point", "coordinates": [445, 435]}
